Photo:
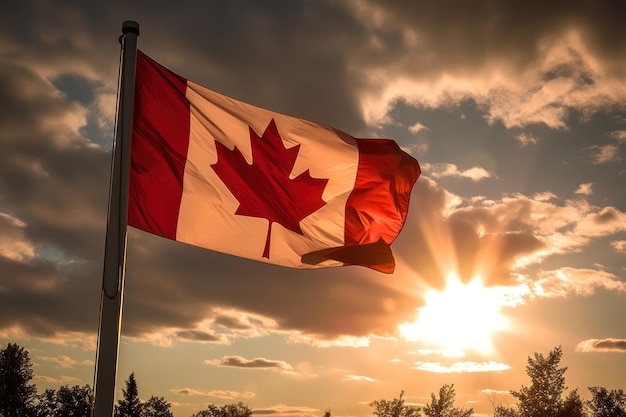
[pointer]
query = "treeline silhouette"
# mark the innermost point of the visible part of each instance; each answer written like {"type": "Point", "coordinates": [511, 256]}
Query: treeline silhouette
{"type": "Point", "coordinates": [544, 397]}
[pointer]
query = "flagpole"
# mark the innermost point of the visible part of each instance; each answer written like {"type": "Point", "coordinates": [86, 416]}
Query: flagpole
{"type": "Point", "coordinates": [115, 246]}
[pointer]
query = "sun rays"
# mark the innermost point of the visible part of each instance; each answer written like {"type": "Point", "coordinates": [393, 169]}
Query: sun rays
{"type": "Point", "coordinates": [461, 317]}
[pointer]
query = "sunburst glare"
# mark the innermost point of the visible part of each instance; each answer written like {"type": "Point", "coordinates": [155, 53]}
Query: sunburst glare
{"type": "Point", "coordinates": [463, 316]}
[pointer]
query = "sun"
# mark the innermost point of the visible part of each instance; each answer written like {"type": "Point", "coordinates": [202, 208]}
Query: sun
{"type": "Point", "coordinates": [463, 316]}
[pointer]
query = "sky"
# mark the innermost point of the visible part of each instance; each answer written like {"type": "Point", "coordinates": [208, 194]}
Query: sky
{"type": "Point", "coordinates": [515, 241]}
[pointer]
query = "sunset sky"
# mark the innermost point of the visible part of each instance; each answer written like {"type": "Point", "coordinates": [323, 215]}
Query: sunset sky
{"type": "Point", "coordinates": [515, 241]}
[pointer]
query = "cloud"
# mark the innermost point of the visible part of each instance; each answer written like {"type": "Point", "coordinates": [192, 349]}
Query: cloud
{"type": "Point", "coordinates": [500, 240]}
{"type": "Point", "coordinates": [80, 340]}
{"type": "Point", "coordinates": [605, 153]}
{"type": "Point", "coordinates": [33, 104]}
{"type": "Point", "coordinates": [64, 361]}
{"type": "Point", "coordinates": [221, 325]}
{"type": "Point", "coordinates": [539, 76]}
{"type": "Point", "coordinates": [299, 308]}
{"type": "Point", "coordinates": [14, 245]}
{"type": "Point", "coordinates": [619, 135]}
{"type": "Point", "coordinates": [619, 246]}
{"type": "Point", "coordinates": [62, 380]}
{"type": "Point", "coordinates": [572, 281]}
{"type": "Point", "coordinates": [282, 410]}
{"type": "Point", "coordinates": [585, 188]}
{"type": "Point", "coordinates": [526, 139]}
{"type": "Point", "coordinates": [53, 197]}
{"type": "Point", "coordinates": [602, 345]}
{"type": "Point", "coordinates": [461, 367]}
{"type": "Point", "coordinates": [495, 391]}
{"type": "Point", "coordinates": [341, 341]}
{"type": "Point", "coordinates": [601, 222]}
{"type": "Point", "coordinates": [199, 336]}
{"type": "Point", "coordinates": [417, 127]}
{"type": "Point", "coordinates": [232, 323]}
{"type": "Point", "coordinates": [41, 152]}
{"type": "Point", "coordinates": [441, 170]}
{"type": "Point", "coordinates": [360, 378]}
{"type": "Point", "coordinates": [515, 101]}
{"type": "Point", "coordinates": [426, 352]}
{"type": "Point", "coordinates": [256, 363]}
{"type": "Point", "coordinates": [222, 394]}
{"type": "Point", "coordinates": [488, 238]}
{"type": "Point", "coordinates": [242, 323]}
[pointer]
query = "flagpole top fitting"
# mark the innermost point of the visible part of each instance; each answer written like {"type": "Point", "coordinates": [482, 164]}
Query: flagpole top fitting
{"type": "Point", "coordinates": [130, 26]}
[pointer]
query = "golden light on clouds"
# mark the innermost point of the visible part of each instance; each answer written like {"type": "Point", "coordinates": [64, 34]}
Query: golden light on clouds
{"type": "Point", "coordinates": [462, 316]}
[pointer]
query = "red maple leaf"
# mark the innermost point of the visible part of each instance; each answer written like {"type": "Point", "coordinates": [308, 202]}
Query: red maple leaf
{"type": "Point", "coordinates": [264, 188]}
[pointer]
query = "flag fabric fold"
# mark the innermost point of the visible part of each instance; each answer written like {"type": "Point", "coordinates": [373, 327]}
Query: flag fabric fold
{"type": "Point", "coordinates": [217, 173]}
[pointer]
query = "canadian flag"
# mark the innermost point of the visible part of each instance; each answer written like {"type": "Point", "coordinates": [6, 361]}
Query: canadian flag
{"type": "Point", "coordinates": [224, 175]}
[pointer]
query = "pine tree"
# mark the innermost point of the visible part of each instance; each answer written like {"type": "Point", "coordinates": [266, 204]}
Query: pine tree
{"type": "Point", "coordinates": [130, 405]}
{"type": "Point", "coordinates": [16, 395]}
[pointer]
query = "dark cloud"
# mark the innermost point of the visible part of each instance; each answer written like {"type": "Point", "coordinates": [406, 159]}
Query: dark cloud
{"type": "Point", "coordinates": [51, 178]}
{"type": "Point", "coordinates": [198, 336]}
{"type": "Point", "coordinates": [607, 215]}
{"type": "Point", "coordinates": [261, 363]}
{"type": "Point", "coordinates": [231, 323]}
{"type": "Point", "coordinates": [471, 36]}
{"type": "Point", "coordinates": [223, 394]}
{"type": "Point", "coordinates": [46, 299]}
{"type": "Point", "coordinates": [602, 345]}
{"type": "Point", "coordinates": [32, 109]}
{"type": "Point", "coordinates": [329, 303]}
{"type": "Point", "coordinates": [53, 183]}
{"type": "Point", "coordinates": [287, 56]}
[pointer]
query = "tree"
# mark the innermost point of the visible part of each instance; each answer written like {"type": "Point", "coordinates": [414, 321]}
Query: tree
{"type": "Point", "coordinates": [573, 406]}
{"type": "Point", "coordinates": [237, 410]}
{"type": "Point", "coordinates": [543, 397]}
{"type": "Point", "coordinates": [16, 395]}
{"type": "Point", "coordinates": [66, 402]}
{"type": "Point", "coordinates": [229, 410]}
{"type": "Point", "coordinates": [607, 403]}
{"type": "Point", "coordinates": [74, 402]}
{"type": "Point", "coordinates": [130, 405]}
{"type": "Point", "coordinates": [156, 407]}
{"type": "Point", "coordinates": [45, 404]}
{"type": "Point", "coordinates": [444, 406]}
{"type": "Point", "coordinates": [394, 408]}
{"type": "Point", "coordinates": [501, 411]}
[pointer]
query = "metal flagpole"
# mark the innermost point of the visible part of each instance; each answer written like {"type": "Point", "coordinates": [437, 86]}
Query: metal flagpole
{"type": "Point", "coordinates": [115, 246]}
